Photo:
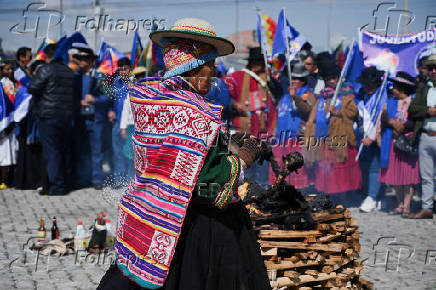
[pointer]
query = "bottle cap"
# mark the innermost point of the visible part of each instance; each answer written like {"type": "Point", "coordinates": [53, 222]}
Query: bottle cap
{"type": "Point", "coordinates": [79, 223]}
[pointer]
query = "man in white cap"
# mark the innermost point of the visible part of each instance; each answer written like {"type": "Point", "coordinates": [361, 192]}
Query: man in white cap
{"type": "Point", "coordinates": [422, 110]}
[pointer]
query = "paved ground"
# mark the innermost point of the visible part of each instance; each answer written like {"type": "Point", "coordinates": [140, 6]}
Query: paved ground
{"type": "Point", "coordinates": [409, 244]}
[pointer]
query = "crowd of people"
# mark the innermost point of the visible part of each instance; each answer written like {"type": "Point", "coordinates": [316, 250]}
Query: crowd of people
{"type": "Point", "coordinates": [72, 124]}
{"type": "Point", "coordinates": [78, 120]}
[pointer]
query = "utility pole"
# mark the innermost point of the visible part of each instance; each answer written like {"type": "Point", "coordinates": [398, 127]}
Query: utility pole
{"type": "Point", "coordinates": [237, 25]}
{"type": "Point", "coordinates": [61, 8]}
{"type": "Point", "coordinates": [98, 10]}
{"type": "Point", "coordinates": [405, 24]}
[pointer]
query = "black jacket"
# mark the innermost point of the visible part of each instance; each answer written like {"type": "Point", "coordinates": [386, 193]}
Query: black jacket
{"type": "Point", "coordinates": [52, 90]}
{"type": "Point", "coordinates": [418, 110]}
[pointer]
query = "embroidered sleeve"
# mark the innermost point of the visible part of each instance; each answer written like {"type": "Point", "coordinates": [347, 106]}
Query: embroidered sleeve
{"type": "Point", "coordinates": [228, 189]}
{"type": "Point", "coordinates": [218, 180]}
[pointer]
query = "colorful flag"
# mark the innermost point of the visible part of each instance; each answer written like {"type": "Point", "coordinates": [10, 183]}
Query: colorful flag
{"type": "Point", "coordinates": [109, 60]}
{"type": "Point", "coordinates": [151, 56]}
{"type": "Point", "coordinates": [40, 55]}
{"type": "Point", "coordinates": [136, 53]}
{"type": "Point", "coordinates": [266, 29]}
{"type": "Point", "coordinates": [278, 62]}
{"type": "Point", "coordinates": [287, 36]}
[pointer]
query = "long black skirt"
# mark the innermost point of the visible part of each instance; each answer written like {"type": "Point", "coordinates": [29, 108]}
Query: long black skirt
{"type": "Point", "coordinates": [216, 250]}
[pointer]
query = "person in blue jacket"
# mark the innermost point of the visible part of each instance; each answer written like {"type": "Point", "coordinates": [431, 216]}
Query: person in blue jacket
{"type": "Point", "coordinates": [90, 117]}
{"type": "Point", "coordinates": [119, 90]}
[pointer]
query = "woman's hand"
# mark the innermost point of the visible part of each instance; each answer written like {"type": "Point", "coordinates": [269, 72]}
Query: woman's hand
{"type": "Point", "coordinates": [367, 141]}
{"type": "Point", "coordinates": [398, 127]}
{"type": "Point", "coordinates": [333, 111]}
{"type": "Point", "coordinates": [292, 92]}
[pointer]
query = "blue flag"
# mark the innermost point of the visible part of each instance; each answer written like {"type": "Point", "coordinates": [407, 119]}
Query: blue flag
{"type": "Point", "coordinates": [65, 44]}
{"type": "Point", "coordinates": [6, 110]}
{"type": "Point", "coordinates": [288, 34]}
{"type": "Point", "coordinates": [371, 107]}
{"type": "Point", "coordinates": [354, 67]}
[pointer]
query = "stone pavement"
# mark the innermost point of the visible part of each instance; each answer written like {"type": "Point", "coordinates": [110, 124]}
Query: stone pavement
{"type": "Point", "coordinates": [409, 244]}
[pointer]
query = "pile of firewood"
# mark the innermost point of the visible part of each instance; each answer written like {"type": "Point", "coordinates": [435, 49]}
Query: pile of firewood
{"type": "Point", "coordinates": [326, 257]}
{"type": "Point", "coordinates": [306, 241]}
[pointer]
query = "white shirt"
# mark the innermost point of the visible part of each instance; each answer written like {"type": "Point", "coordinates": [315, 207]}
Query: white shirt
{"type": "Point", "coordinates": [126, 114]}
{"type": "Point", "coordinates": [430, 123]}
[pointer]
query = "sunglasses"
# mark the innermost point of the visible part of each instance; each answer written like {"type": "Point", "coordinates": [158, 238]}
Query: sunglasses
{"type": "Point", "coordinates": [431, 67]}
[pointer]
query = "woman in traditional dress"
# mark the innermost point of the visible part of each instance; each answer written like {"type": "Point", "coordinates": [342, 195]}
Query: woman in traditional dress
{"type": "Point", "coordinates": [292, 113]}
{"type": "Point", "coordinates": [332, 147]}
{"type": "Point", "coordinates": [398, 168]}
{"type": "Point", "coordinates": [8, 141]}
{"type": "Point", "coordinates": [180, 224]}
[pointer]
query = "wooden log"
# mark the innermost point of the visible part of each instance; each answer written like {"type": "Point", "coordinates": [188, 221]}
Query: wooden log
{"type": "Point", "coordinates": [286, 265]}
{"type": "Point", "coordinates": [291, 274]}
{"type": "Point", "coordinates": [353, 223]}
{"type": "Point", "coordinates": [338, 226]}
{"type": "Point", "coordinates": [326, 216]}
{"type": "Point", "coordinates": [328, 238]}
{"type": "Point", "coordinates": [268, 251]}
{"type": "Point", "coordinates": [311, 272]}
{"type": "Point", "coordinates": [332, 247]}
{"type": "Point", "coordinates": [281, 234]}
{"type": "Point", "coordinates": [309, 240]}
{"type": "Point", "coordinates": [349, 252]}
{"type": "Point", "coordinates": [302, 279]}
{"type": "Point", "coordinates": [323, 227]}
{"type": "Point", "coordinates": [293, 259]}
{"type": "Point", "coordinates": [355, 235]}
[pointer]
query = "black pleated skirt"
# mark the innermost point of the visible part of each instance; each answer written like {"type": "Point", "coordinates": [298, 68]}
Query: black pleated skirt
{"type": "Point", "coordinates": [217, 250]}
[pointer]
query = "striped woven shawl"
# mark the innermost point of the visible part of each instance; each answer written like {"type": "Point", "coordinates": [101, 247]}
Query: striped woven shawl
{"type": "Point", "coordinates": [174, 130]}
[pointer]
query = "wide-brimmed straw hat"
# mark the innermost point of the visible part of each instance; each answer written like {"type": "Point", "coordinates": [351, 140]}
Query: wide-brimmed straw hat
{"type": "Point", "coordinates": [403, 78]}
{"type": "Point", "coordinates": [195, 29]}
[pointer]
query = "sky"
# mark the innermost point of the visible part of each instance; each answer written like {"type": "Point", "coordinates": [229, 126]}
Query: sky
{"type": "Point", "coordinates": [324, 23]}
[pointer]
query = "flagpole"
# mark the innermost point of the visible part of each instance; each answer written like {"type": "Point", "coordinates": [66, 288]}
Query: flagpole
{"type": "Point", "coordinates": [262, 42]}
{"type": "Point", "coordinates": [288, 62]}
{"type": "Point", "coordinates": [341, 78]}
{"type": "Point", "coordinates": [373, 113]}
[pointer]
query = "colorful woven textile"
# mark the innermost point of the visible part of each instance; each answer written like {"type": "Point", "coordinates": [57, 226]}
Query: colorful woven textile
{"type": "Point", "coordinates": [182, 55]}
{"type": "Point", "coordinates": [174, 130]}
